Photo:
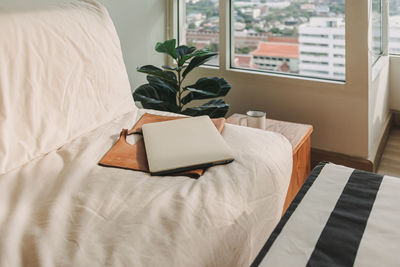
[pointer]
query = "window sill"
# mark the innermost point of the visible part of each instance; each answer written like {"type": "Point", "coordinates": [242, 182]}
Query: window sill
{"type": "Point", "coordinates": [258, 79]}
{"type": "Point", "coordinates": [284, 75]}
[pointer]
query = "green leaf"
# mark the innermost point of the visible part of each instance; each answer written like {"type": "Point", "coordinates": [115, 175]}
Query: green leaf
{"type": "Point", "coordinates": [185, 53]}
{"type": "Point", "coordinates": [166, 67]}
{"type": "Point", "coordinates": [215, 108]}
{"type": "Point", "coordinates": [177, 69]}
{"type": "Point", "coordinates": [197, 94]}
{"type": "Point", "coordinates": [156, 82]}
{"type": "Point", "coordinates": [155, 98]}
{"type": "Point", "coordinates": [198, 61]}
{"type": "Point", "coordinates": [198, 53]}
{"type": "Point", "coordinates": [182, 51]}
{"type": "Point", "coordinates": [168, 47]}
{"type": "Point", "coordinates": [164, 75]}
{"type": "Point", "coordinates": [206, 88]}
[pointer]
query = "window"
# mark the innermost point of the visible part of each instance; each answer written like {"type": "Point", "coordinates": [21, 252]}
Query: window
{"type": "Point", "coordinates": [338, 65]}
{"type": "Point", "coordinates": [315, 54]}
{"type": "Point", "coordinates": [201, 25]}
{"type": "Point", "coordinates": [338, 73]}
{"type": "Point", "coordinates": [339, 46]}
{"type": "Point", "coordinates": [280, 36]}
{"type": "Point", "coordinates": [394, 26]}
{"type": "Point", "coordinates": [314, 35]}
{"type": "Point", "coordinates": [314, 62]}
{"type": "Point", "coordinates": [338, 56]}
{"type": "Point", "coordinates": [338, 36]}
{"type": "Point", "coordinates": [314, 44]}
{"type": "Point", "coordinates": [296, 33]}
{"type": "Point", "coordinates": [377, 46]}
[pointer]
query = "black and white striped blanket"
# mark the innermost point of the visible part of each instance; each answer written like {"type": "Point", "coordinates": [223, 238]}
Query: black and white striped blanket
{"type": "Point", "coordinates": [341, 217]}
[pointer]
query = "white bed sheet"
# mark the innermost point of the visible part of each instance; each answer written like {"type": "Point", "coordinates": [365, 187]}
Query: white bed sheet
{"type": "Point", "coordinates": [63, 209]}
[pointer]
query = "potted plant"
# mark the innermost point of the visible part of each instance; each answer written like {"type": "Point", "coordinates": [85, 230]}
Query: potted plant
{"type": "Point", "coordinates": [166, 90]}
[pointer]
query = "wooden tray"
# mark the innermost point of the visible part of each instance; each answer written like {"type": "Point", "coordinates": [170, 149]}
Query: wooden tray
{"type": "Point", "coordinates": [133, 157]}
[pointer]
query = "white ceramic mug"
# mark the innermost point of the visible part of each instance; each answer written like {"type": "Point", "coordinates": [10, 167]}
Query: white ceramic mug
{"type": "Point", "coordinates": [255, 119]}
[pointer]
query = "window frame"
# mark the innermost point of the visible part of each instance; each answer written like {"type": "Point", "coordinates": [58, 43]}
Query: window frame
{"type": "Point", "coordinates": [225, 51]}
{"type": "Point", "coordinates": [268, 72]}
{"type": "Point", "coordinates": [383, 31]}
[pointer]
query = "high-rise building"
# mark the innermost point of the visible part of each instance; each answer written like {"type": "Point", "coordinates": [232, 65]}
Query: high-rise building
{"type": "Point", "coordinates": [394, 34]}
{"type": "Point", "coordinates": [322, 48]}
{"type": "Point", "coordinates": [394, 7]}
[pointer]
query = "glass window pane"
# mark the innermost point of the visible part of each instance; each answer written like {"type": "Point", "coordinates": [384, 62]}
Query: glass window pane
{"type": "Point", "coordinates": [201, 25]}
{"type": "Point", "coordinates": [376, 29]}
{"type": "Point", "coordinates": [394, 26]}
{"type": "Point", "coordinates": [305, 38]}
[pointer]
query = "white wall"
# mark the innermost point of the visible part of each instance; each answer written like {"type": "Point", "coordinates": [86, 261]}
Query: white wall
{"type": "Point", "coordinates": [378, 93]}
{"type": "Point", "coordinates": [394, 83]}
{"type": "Point", "coordinates": [378, 103]}
{"type": "Point", "coordinates": [139, 23]}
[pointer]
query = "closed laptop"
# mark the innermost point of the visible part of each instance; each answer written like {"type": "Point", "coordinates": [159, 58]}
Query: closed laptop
{"type": "Point", "coordinates": [185, 144]}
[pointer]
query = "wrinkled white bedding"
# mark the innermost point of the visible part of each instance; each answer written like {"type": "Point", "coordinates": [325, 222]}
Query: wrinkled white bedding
{"type": "Point", "coordinates": [64, 98]}
{"type": "Point", "coordinates": [61, 76]}
{"type": "Point", "coordinates": [64, 210]}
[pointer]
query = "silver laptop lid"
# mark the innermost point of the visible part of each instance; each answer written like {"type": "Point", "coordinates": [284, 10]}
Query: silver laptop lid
{"type": "Point", "coordinates": [184, 144]}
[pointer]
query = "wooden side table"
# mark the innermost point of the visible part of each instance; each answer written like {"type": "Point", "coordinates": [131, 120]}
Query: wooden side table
{"type": "Point", "coordinates": [299, 137]}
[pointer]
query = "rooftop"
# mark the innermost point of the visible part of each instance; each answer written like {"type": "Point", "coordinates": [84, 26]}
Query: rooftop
{"type": "Point", "coordinates": [243, 60]}
{"type": "Point", "coordinates": [273, 49]}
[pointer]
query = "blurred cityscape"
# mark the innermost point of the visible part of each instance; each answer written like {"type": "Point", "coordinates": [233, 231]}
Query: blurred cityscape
{"type": "Point", "coordinates": [305, 37]}
{"type": "Point", "coordinates": [394, 26]}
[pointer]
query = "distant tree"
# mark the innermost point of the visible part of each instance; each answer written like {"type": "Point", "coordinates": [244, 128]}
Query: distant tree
{"type": "Point", "coordinates": [275, 31]}
{"type": "Point", "coordinates": [214, 47]}
{"type": "Point", "coordinates": [289, 32]}
{"type": "Point", "coordinates": [206, 7]}
{"type": "Point", "coordinates": [337, 8]}
{"type": "Point", "coordinates": [259, 30]}
{"type": "Point", "coordinates": [244, 50]}
{"type": "Point", "coordinates": [192, 26]}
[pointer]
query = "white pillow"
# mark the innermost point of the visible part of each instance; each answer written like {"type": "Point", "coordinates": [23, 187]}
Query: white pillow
{"type": "Point", "coordinates": [61, 76]}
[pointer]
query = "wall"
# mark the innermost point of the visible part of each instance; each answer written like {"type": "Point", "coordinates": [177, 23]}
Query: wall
{"type": "Point", "coordinates": [394, 83]}
{"type": "Point", "coordinates": [140, 24]}
{"type": "Point", "coordinates": [378, 93]}
{"type": "Point", "coordinates": [378, 103]}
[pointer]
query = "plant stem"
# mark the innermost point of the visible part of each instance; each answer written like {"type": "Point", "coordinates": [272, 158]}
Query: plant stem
{"type": "Point", "coordinates": [179, 91]}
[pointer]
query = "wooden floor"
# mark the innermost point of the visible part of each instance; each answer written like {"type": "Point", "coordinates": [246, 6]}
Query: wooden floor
{"type": "Point", "coordinates": [390, 162]}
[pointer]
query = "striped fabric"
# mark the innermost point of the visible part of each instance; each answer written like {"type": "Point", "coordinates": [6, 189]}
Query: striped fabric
{"type": "Point", "coordinates": [341, 217]}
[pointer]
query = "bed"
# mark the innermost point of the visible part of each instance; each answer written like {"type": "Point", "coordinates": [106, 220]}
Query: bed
{"type": "Point", "coordinates": [64, 98]}
{"type": "Point", "coordinates": [341, 217]}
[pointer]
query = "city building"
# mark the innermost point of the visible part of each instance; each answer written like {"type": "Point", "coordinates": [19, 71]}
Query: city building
{"type": "Point", "coordinates": [322, 48]}
{"type": "Point", "coordinates": [249, 38]}
{"type": "Point", "coordinates": [201, 38]}
{"type": "Point", "coordinates": [273, 56]}
{"type": "Point", "coordinates": [394, 35]}
{"type": "Point", "coordinates": [243, 61]}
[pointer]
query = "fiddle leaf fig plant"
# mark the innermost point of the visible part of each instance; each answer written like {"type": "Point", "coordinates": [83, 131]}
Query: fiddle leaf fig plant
{"type": "Point", "coordinates": [166, 90]}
